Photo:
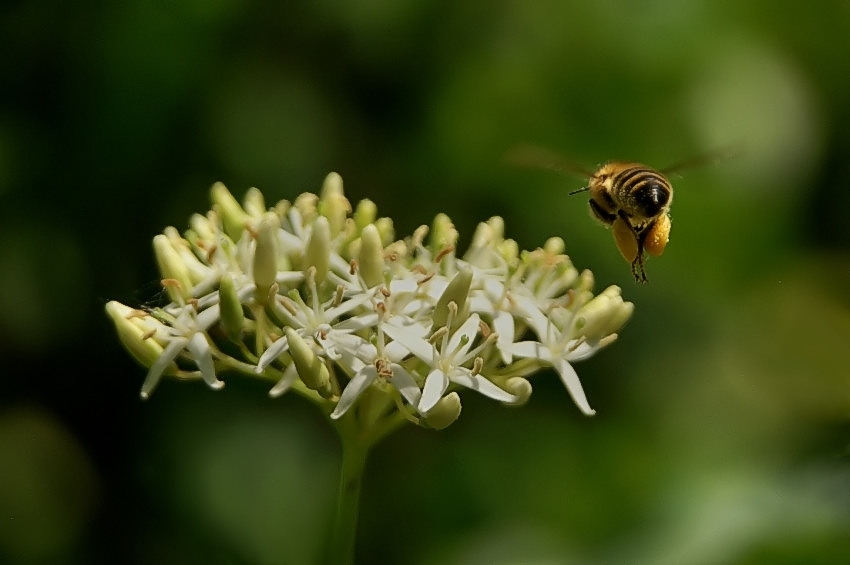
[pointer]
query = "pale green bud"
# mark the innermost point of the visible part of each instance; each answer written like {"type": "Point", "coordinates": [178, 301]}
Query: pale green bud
{"type": "Point", "coordinates": [456, 291]}
{"type": "Point", "coordinates": [444, 413]}
{"type": "Point", "coordinates": [497, 224]}
{"type": "Point", "coordinates": [233, 217]}
{"type": "Point", "coordinates": [202, 226]}
{"type": "Point", "coordinates": [585, 281]}
{"type": "Point", "coordinates": [520, 388]}
{"type": "Point", "coordinates": [232, 316]}
{"type": "Point", "coordinates": [282, 208]}
{"type": "Point", "coordinates": [443, 234]}
{"type": "Point", "coordinates": [509, 250]}
{"type": "Point", "coordinates": [137, 332]}
{"type": "Point", "coordinates": [254, 202]}
{"type": "Point", "coordinates": [310, 367]}
{"type": "Point", "coordinates": [171, 266]}
{"type": "Point", "coordinates": [554, 245]}
{"type": "Point", "coordinates": [603, 315]}
{"type": "Point", "coordinates": [265, 254]}
{"type": "Point", "coordinates": [318, 252]}
{"type": "Point", "coordinates": [197, 270]}
{"type": "Point", "coordinates": [385, 228]}
{"type": "Point", "coordinates": [333, 204]}
{"type": "Point", "coordinates": [365, 213]}
{"type": "Point", "coordinates": [306, 205]}
{"type": "Point", "coordinates": [371, 256]}
{"type": "Point", "coordinates": [482, 237]}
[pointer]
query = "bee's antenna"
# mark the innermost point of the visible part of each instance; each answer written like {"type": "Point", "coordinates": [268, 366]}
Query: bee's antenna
{"type": "Point", "coordinates": [582, 189]}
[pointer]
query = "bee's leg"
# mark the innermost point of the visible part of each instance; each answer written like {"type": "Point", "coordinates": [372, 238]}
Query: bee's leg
{"type": "Point", "coordinates": [638, 270]}
{"type": "Point", "coordinates": [601, 214]}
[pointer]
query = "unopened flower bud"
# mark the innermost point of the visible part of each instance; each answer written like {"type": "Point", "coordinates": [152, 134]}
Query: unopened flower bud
{"type": "Point", "coordinates": [457, 291]}
{"type": "Point", "coordinates": [554, 245]}
{"type": "Point", "coordinates": [233, 217]}
{"type": "Point", "coordinates": [604, 314]}
{"type": "Point", "coordinates": [443, 234]}
{"type": "Point", "coordinates": [333, 204]}
{"type": "Point", "coordinates": [444, 413]}
{"type": "Point", "coordinates": [310, 367]}
{"type": "Point", "coordinates": [520, 388]}
{"type": "Point", "coordinates": [318, 253]}
{"type": "Point", "coordinates": [365, 213]}
{"type": "Point", "coordinates": [306, 205]}
{"type": "Point", "coordinates": [137, 332]}
{"type": "Point", "coordinates": [232, 316]}
{"type": "Point", "coordinates": [171, 266]}
{"type": "Point", "coordinates": [265, 254]}
{"type": "Point", "coordinates": [371, 256]}
{"type": "Point", "coordinates": [254, 202]}
{"type": "Point", "coordinates": [385, 228]}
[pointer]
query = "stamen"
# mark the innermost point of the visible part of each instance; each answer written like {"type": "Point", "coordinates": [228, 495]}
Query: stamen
{"type": "Point", "coordinates": [289, 305]}
{"type": "Point", "coordinates": [438, 334]}
{"type": "Point", "coordinates": [443, 252]}
{"type": "Point", "coordinates": [477, 365]}
{"type": "Point", "coordinates": [484, 329]}
{"type": "Point", "coordinates": [384, 368]}
{"type": "Point", "coordinates": [425, 279]}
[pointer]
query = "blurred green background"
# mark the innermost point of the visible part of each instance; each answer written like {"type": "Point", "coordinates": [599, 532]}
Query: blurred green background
{"type": "Point", "coordinates": [722, 432]}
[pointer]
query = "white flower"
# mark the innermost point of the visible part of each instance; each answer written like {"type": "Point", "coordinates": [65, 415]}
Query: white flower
{"type": "Point", "coordinates": [186, 334]}
{"type": "Point", "coordinates": [556, 348]}
{"type": "Point", "coordinates": [448, 363]}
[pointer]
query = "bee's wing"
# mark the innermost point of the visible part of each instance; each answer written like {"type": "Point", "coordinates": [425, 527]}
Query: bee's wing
{"type": "Point", "coordinates": [707, 158]}
{"type": "Point", "coordinates": [537, 157]}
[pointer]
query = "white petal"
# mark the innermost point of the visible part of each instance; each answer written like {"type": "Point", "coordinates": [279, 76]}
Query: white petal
{"type": "Point", "coordinates": [530, 349]}
{"type": "Point", "coordinates": [480, 302]}
{"type": "Point", "coordinates": [570, 379]}
{"type": "Point", "coordinates": [290, 375]}
{"type": "Point", "coordinates": [469, 329]}
{"type": "Point", "coordinates": [199, 348]}
{"type": "Point", "coordinates": [354, 389]}
{"type": "Point", "coordinates": [503, 323]}
{"type": "Point", "coordinates": [435, 385]}
{"type": "Point", "coordinates": [207, 318]}
{"type": "Point", "coordinates": [533, 316]}
{"type": "Point", "coordinates": [406, 384]}
{"type": "Point", "coordinates": [482, 385]}
{"type": "Point", "coordinates": [155, 372]}
{"type": "Point", "coordinates": [347, 306]}
{"type": "Point", "coordinates": [359, 322]}
{"type": "Point", "coordinates": [582, 352]}
{"type": "Point", "coordinates": [274, 351]}
{"type": "Point", "coordinates": [409, 338]}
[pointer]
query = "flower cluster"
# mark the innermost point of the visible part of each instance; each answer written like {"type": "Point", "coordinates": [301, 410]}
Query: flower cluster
{"type": "Point", "coordinates": [322, 300]}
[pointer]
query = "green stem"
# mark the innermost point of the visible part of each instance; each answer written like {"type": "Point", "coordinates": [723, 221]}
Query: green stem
{"type": "Point", "coordinates": [354, 453]}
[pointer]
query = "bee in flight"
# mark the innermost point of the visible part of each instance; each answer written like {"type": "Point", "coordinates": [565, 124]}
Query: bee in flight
{"type": "Point", "coordinates": [633, 199]}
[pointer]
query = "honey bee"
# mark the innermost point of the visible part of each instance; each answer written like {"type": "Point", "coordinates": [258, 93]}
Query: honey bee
{"type": "Point", "coordinates": [631, 198]}
{"type": "Point", "coordinates": [635, 201]}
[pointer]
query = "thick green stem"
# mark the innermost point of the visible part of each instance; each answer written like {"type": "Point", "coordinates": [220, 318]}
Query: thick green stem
{"type": "Point", "coordinates": [354, 453]}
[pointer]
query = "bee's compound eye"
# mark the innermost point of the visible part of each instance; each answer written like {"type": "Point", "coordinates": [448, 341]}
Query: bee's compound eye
{"type": "Point", "coordinates": [624, 237]}
{"type": "Point", "coordinates": [657, 236]}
